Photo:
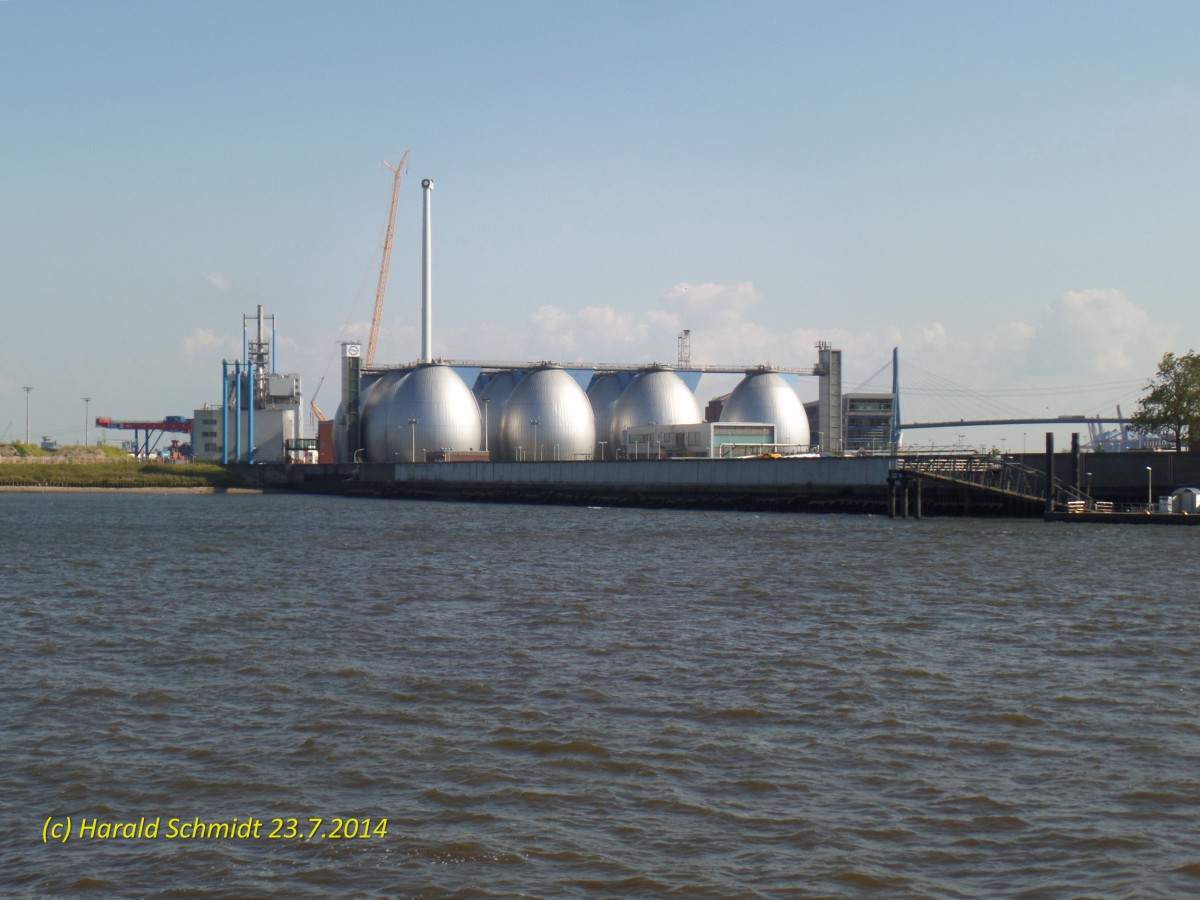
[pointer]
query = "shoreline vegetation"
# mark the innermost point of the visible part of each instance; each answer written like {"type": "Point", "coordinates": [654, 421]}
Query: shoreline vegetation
{"type": "Point", "coordinates": [25, 467]}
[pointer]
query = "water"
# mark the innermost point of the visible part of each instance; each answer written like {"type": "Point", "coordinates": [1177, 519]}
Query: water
{"type": "Point", "coordinates": [594, 702]}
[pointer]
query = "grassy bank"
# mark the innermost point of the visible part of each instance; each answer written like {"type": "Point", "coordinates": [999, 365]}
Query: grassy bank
{"type": "Point", "coordinates": [101, 468]}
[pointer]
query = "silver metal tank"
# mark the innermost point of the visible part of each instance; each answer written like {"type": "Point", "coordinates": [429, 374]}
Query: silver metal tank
{"type": "Point", "coordinates": [431, 408]}
{"type": "Point", "coordinates": [765, 396]}
{"type": "Point", "coordinates": [547, 417]}
{"type": "Point", "coordinates": [341, 444]}
{"type": "Point", "coordinates": [374, 410]}
{"type": "Point", "coordinates": [491, 406]}
{"type": "Point", "coordinates": [603, 394]}
{"type": "Point", "coordinates": [658, 396]}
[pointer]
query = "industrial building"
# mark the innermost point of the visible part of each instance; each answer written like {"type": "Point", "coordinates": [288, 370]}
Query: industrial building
{"type": "Point", "coordinates": [259, 419]}
{"type": "Point", "coordinates": [869, 422]}
{"type": "Point", "coordinates": [540, 412]}
{"type": "Point", "coordinates": [536, 412]}
{"type": "Point", "coordinates": [610, 434]}
{"type": "Point", "coordinates": [547, 412]}
{"type": "Point", "coordinates": [512, 411]}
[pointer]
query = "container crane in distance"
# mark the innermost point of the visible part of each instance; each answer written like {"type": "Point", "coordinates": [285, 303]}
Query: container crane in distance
{"type": "Point", "coordinates": [177, 424]}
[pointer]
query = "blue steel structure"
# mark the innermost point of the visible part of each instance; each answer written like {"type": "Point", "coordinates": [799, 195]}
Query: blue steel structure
{"type": "Point", "coordinates": [258, 358]}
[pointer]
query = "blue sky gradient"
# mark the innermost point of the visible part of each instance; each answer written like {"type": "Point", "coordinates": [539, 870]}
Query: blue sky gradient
{"type": "Point", "coordinates": [1007, 191]}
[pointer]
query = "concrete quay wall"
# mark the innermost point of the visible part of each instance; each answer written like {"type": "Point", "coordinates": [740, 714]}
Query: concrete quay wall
{"type": "Point", "coordinates": [857, 484]}
{"type": "Point", "coordinates": [825, 484]}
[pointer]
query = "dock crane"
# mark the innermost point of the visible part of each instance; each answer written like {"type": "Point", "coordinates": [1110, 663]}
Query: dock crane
{"type": "Point", "coordinates": [387, 256]}
{"type": "Point", "coordinates": [399, 170]}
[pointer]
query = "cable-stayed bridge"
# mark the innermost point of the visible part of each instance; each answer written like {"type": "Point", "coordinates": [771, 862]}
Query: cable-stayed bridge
{"type": "Point", "coordinates": [925, 401]}
{"type": "Point", "coordinates": [1057, 420]}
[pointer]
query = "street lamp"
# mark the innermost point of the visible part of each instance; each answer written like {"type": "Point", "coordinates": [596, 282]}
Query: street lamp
{"type": "Point", "coordinates": [535, 423]}
{"type": "Point", "coordinates": [27, 390]}
{"type": "Point", "coordinates": [412, 424]}
{"type": "Point", "coordinates": [602, 444]}
{"type": "Point", "coordinates": [1149, 487]}
{"type": "Point", "coordinates": [87, 402]}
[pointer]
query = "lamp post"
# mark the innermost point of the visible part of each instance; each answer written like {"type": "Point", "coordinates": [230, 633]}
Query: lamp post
{"type": "Point", "coordinates": [602, 443]}
{"type": "Point", "coordinates": [412, 424]}
{"type": "Point", "coordinates": [87, 402]}
{"type": "Point", "coordinates": [1149, 487]}
{"type": "Point", "coordinates": [535, 423]}
{"type": "Point", "coordinates": [27, 390]}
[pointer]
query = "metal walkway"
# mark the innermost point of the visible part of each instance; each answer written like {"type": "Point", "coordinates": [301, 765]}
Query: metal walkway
{"type": "Point", "coordinates": [990, 475]}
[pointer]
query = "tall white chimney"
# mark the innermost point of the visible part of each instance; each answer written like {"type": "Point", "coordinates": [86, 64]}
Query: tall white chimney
{"type": "Point", "coordinates": [427, 278]}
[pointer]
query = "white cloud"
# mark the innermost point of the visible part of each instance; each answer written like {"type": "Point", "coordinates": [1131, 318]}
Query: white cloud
{"type": "Point", "coordinates": [1087, 336]}
{"type": "Point", "coordinates": [218, 281]}
{"type": "Point", "coordinates": [209, 343]}
{"type": "Point", "coordinates": [708, 304]}
{"type": "Point", "coordinates": [619, 327]}
{"type": "Point", "coordinates": [599, 334]}
{"type": "Point", "coordinates": [1098, 332]}
{"type": "Point", "coordinates": [556, 327]}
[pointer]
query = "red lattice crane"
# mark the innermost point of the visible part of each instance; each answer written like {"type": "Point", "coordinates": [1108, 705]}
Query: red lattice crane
{"type": "Point", "coordinates": [387, 256]}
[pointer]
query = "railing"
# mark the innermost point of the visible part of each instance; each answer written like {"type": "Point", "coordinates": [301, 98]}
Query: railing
{"type": "Point", "coordinates": [991, 473]}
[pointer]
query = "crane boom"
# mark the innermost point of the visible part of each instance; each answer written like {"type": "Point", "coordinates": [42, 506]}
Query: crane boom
{"type": "Point", "coordinates": [387, 256]}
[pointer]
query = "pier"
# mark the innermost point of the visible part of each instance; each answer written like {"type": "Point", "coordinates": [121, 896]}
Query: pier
{"type": "Point", "coordinates": [902, 485]}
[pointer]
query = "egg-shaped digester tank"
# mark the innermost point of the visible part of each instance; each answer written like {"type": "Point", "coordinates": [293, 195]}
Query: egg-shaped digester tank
{"type": "Point", "coordinates": [374, 414]}
{"type": "Point", "coordinates": [547, 417]}
{"type": "Point", "coordinates": [603, 393]}
{"type": "Point", "coordinates": [658, 396]}
{"type": "Point", "coordinates": [430, 409]}
{"type": "Point", "coordinates": [764, 396]}
{"type": "Point", "coordinates": [341, 435]}
{"type": "Point", "coordinates": [491, 406]}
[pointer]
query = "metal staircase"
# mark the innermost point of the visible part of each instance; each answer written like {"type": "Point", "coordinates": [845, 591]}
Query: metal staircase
{"type": "Point", "coordinates": [991, 475]}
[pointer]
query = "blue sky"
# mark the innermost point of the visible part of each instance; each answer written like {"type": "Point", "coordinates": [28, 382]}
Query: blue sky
{"type": "Point", "coordinates": [1007, 191]}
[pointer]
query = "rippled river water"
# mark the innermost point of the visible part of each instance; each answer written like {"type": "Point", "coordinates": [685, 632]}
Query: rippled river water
{"type": "Point", "coordinates": [591, 702]}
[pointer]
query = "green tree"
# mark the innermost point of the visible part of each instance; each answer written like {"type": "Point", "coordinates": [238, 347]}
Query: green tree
{"type": "Point", "coordinates": [1172, 402]}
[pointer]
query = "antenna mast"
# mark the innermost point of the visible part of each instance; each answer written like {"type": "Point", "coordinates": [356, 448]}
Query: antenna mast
{"type": "Point", "coordinates": [685, 348]}
{"type": "Point", "coordinates": [387, 256]}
